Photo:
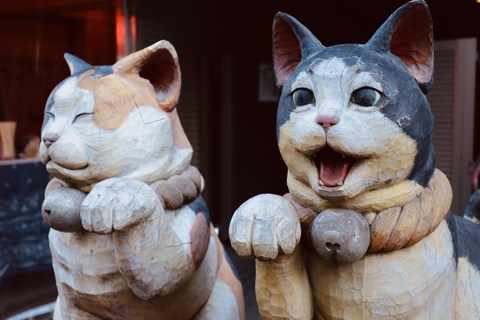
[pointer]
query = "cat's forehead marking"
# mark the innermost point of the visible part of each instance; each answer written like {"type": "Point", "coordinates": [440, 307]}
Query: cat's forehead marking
{"type": "Point", "coordinates": [69, 97]}
{"type": "Point", "coordinates": [116, 96]}
{"type": "Point", "coordinates": [302, 80]}
{"type": "Point", "coordinates": [50, 101]}
{"type": "Point", "coordinates": [334, 67]}
{"type": "Point", "coordinates": [346, 71]}
{"type": "Point", "coordinates": [67, 90]}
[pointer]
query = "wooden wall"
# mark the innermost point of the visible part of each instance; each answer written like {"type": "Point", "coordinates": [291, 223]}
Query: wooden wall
{"type": "Point", "coordinates": [34, 40]}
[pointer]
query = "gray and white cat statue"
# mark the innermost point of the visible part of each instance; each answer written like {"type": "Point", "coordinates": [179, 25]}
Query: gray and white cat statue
{"type": "Point", "coordinates": [365, 230]}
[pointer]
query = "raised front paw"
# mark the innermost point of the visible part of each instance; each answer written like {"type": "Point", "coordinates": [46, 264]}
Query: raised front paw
{"type": "Point", "coordinates": [265, 227]}
{"type": "Point", "coordinates": [117, 204]}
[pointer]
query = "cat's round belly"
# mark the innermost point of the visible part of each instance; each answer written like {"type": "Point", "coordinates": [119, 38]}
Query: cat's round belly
{"type": "Point", "coordinates": [403, 284]}
{"type": "Point", "coordinates": [88, 280]}
{"type": "Point", "coordinates": [85, 262]}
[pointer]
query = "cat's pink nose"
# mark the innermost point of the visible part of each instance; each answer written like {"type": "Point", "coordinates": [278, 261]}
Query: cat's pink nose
{"type": "Point", "coordinates": [327, 122]}
{"type": "Point", "coordinates": [49, 139]}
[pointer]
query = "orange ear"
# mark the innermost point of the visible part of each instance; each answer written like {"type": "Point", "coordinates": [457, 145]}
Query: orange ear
{"type": "Point", "coordinates": [408, 34]}
{"type": "Point", "coordinates": [157, 63]}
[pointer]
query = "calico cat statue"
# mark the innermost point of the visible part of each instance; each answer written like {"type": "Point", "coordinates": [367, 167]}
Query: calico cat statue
{"type": "Point", "coordinates": [131, 236]}
{"type": "Point", "coordinates": [355, 130]}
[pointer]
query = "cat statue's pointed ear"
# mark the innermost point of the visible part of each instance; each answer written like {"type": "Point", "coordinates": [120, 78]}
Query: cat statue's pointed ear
{"type": "Point", "coordinates": [292, 42]}
{"type": "Point", "coordinates": [157, 63]}
{"type": "Point", "coordinates": [408, 34]}
{"type": "Point", "coordinates": [76, 64]}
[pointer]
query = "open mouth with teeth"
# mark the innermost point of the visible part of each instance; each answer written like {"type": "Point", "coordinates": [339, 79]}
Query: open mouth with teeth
{"type": "Point", "coordinates": [332, 167]}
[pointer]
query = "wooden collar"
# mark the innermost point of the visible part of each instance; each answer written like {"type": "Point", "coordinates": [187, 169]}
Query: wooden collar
{"type": "Point", "coordinates": [403, 225]}
{"type": "Point", "coordinates": [179, 189]}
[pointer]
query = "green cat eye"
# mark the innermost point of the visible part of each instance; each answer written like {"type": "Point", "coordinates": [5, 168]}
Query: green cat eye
{"type": "Point", "coordinates": [302, 97]}
{"type": "Point", "coordinates": [366, 97]}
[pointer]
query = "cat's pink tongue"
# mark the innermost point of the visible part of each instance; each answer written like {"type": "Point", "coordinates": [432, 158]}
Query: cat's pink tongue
{"type": "Point", "coordinates": [332, 167]}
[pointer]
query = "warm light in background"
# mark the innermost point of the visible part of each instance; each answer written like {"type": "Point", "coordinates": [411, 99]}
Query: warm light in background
{"type": "Point", "coordinates": [120, 31]}
{"type": "Point", "coordinates": [126, 31]}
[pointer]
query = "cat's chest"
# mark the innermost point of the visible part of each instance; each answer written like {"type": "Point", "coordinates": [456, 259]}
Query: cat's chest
{"type": "Point", "coordinates": [82, 252]}
{"type": "Point", "coordinates": [90, 256]}
{"type": "Point", "coordinates": [412, 283]}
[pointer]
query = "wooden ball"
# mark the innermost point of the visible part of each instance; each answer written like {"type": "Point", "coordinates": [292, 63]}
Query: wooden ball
{"type": "Point", "coordinates": [61, 209]}
{"type": "Point", "coordinates": [340, 235]}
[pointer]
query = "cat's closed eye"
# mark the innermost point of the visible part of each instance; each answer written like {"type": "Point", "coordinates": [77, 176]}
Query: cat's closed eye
{"type": "Point", "coordinates": [302, 97]}
{"type": "Point", "coordinates": [51, 115]}
{"type": "Point", "coordinates": [366, 97]}
{"type": "Point", "coordinates": [78, 116]}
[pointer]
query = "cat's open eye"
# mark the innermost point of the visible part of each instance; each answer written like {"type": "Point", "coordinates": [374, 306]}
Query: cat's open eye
{"type": "Point", "coordinates": [302, 97]}
{"type": "Point", "coordinates": [78, 116]}
{"type": "Point", "coordinates": [366, 97]}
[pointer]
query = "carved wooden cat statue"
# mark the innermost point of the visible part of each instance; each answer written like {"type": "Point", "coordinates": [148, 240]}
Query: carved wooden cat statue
{"type": "Point", "coordinates": [131, 236]}
{"type": "Point", "coordinates": [355, 131]}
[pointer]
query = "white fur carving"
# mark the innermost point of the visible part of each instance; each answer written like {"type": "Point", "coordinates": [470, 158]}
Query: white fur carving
{"type": "Point", "coordinates": [125, 243]}
{"type": "Point", "coordinates": [143, 154]}
{"type": "Point", "coordinates": [378, 141]}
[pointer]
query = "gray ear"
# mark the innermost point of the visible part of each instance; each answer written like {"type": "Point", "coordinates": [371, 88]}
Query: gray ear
{"type": "Point", "coordinates": [76, 64]}
{"type": "Point", "coordinates": [408, 34]}
{"type": "Point", "coordinates": [292, 42]}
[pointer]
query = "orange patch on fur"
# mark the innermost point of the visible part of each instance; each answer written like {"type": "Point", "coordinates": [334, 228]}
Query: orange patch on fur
{"type": "Point", "coordinates": [226, 274]}
{"type": "Point", "coordinates": [200, 237]}
{"type": "Point", "coordinates": [220, 250]}
{"type": "Point", "coordinates": [141, 89]}
{"type": "Point", "coordinates": [151, 64]}
{"type": "Point", "coordinates": [116, 96]}
{"type": "Point", "coordinates": [180, 140]}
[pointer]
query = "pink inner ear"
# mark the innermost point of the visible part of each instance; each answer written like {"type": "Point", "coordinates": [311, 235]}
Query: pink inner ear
{"type": "Point", "coordinates": [412, 41]}
{"type": "Point", "coordinates": [287, 53]}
